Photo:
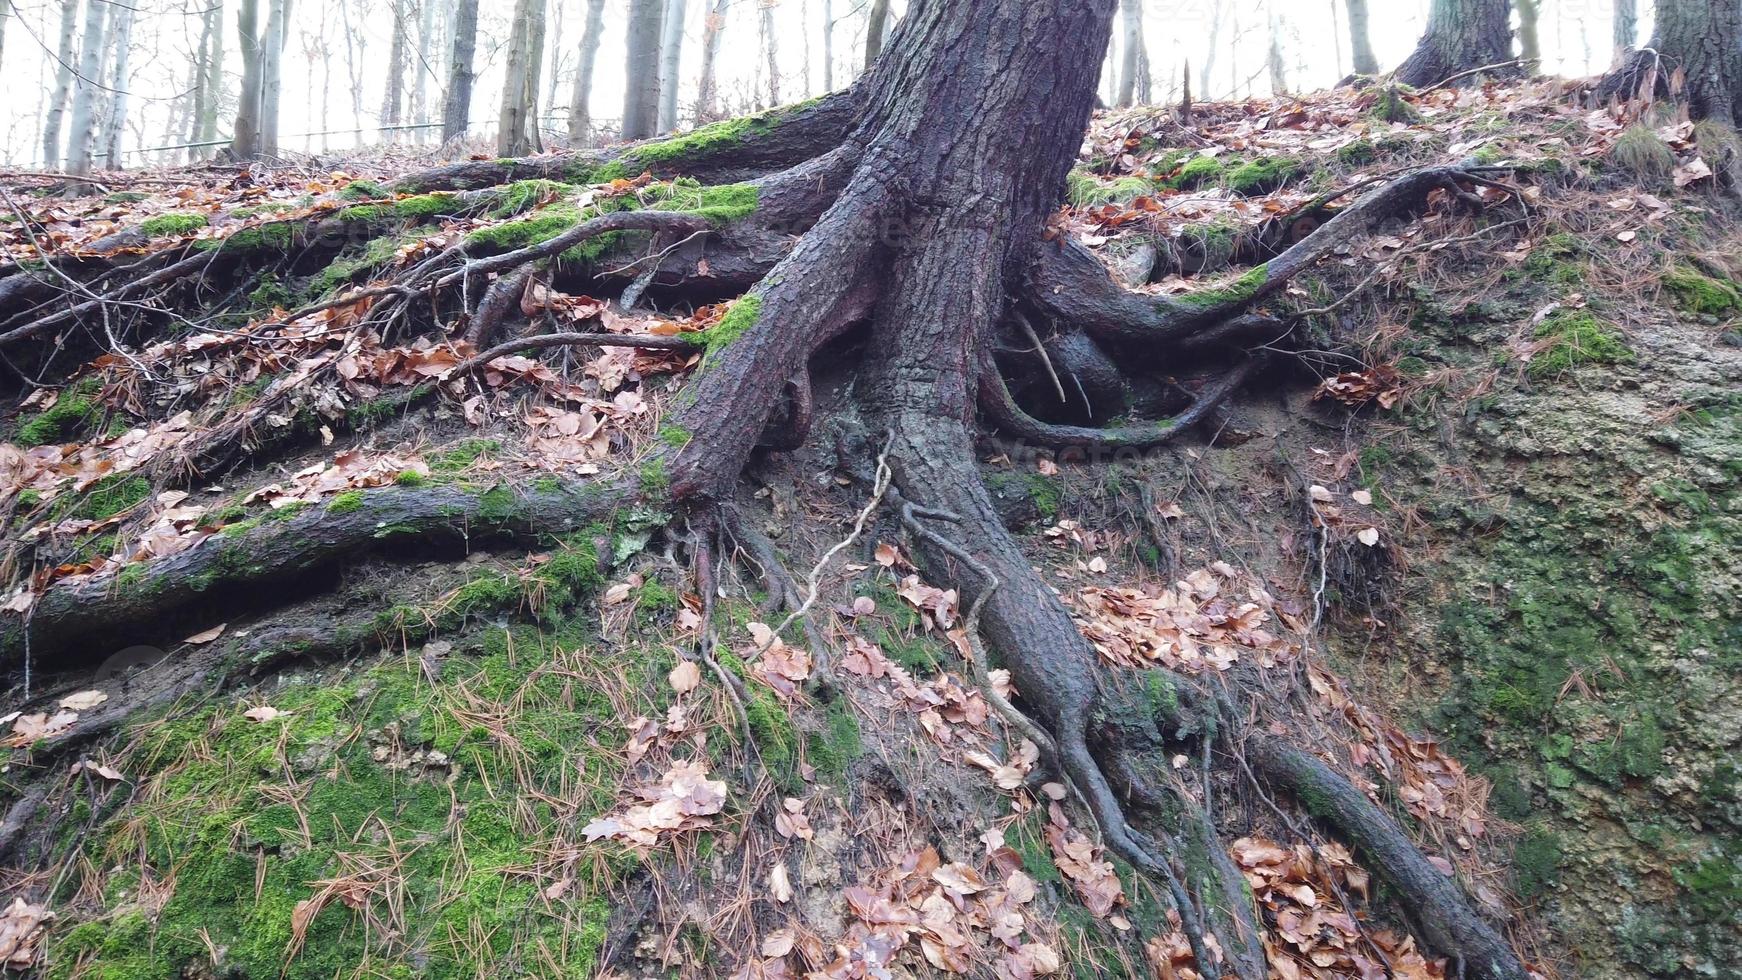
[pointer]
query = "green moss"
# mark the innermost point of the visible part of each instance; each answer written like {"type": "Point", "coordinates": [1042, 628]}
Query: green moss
{"type": "Point", "coordinates": [1579, 337]}
{"type": "Point", "coordinates": [1047, 493]}
{"type": "Point", "coordinates": [276, 236]}
{"type": "Point", "coordinates": [739, 319]}
{"type": "Point", "coordinates": [1264, 175]}
{"type": "Point", "coordinates": [1700, 294]}
{"type": "Point", "coordinates": [497, 504]}
{"type": "Point", "coordinates": [423, 207]}
{"type": "Point", "coordinates": [1197, 172]}
{"type": "Point", "coordinates": [540, 227]}
{"type": "Point", "coordinates": [1241, 290]}
{"type": "Point", "coordinates": [1215, 241]}
{"type": "Point", "coordinates": [655, 481]}
{"type": "Point", "coordinates": [125, 197]}
{"type": "Point", "coordinates": [1357, 154]}
{"type": "Point", "coordinates": [363, 190]}
{"type": "Point", "coordinates": [1536, 861]}
{"type": "Point", "coordinates": [106, 498]}
{"type": "Point", "coordinates": [270, 294]}
{"type": "Point", "coordinates": [71, 413]}
{"type": "Point", "coordinates": [410, 478]}
{"type": "Point", "coordinates": [1086, 191]}
{"type": "Point", "coordinates": [527, 195]}
{"type": "Point", "coordinates": [173, 225]}
{"type": "Point", "coordinates": [463, 454]}
{"type": "Point", "coordinates": [839, 745]}
{"type": "Point", "coordinates": [675, 436]}
{"type": "Point", "coordinates": [720, 205]}
{"type": "Point", "coordinates": [698, 144]}
{"type": "Point", "coordinates": [348, 502]}
{"type": "Point", "coordinates": [1393, 108]}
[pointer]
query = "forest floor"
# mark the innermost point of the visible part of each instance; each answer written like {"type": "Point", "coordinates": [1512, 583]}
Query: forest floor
{"type": "Point", "coordinates": [1482, 529]}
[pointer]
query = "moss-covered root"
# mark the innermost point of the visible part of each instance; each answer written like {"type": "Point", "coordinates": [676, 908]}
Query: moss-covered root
{"type": "Point", "coordinates": [1437, 907]}
{"type": "Point", "coordinates": [88, 618]}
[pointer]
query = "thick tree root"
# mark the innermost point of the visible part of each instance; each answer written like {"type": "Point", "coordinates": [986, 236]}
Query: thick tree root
{"type": "Point", "coordinates": [75, 623]}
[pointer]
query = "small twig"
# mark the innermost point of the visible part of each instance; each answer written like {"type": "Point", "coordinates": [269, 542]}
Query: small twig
{"type": "Point", "coordinates": [1040, 350]}
{"type": "Point", "coordinates": [1473, 71]}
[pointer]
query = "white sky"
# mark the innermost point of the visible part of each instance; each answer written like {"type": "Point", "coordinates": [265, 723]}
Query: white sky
{"type": "Point", "coordinates": [317, 91]}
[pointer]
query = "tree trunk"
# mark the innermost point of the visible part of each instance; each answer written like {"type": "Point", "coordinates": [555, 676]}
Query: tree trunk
{"type": "Point", "coordinates": [534, 134]}
{"type": "Point", "coordinates": [1626, 28]}
{"type": "Point", "coordinates": [828, 45]}
{"type": "Point", "coordinates": [1529, 38]}
{"type": "Point", "coordinates": [770, 49]}
{"type": "Point", "coordinates": [1130, 49]}
{"type": "Point", "coordinates": [82, 131]}
{"type": "Point", "coordinates": [420, 72]}
{"type": "Point", "coordinates": [116, 125]}
{"type": "Point", "coordinates": [393, 97]}
{"type": "Point", "coordinates": [511, 120]}
{"type": "Point", "coordinates": [1361, 39]}
{"type": "Point", "coordinates": [670, 61]}
{"type": "Point", "coordinates": [1462, 35]}
{"type": "Point", "coordinates": [272, 73]}
{"type": "Point", "coordinates": [5, 11]}
{"type": "Point", "coordinates": [1273, 60]}
{"type": "Point", "coordinates": [1217, 16]}
{"type": "Point", "coordinates": [63, 83]}
{"type": "Point", "coordinates": [457, 105]}
{"type": "Point", "coordinates": [711, 31]}
{"type": "Point", "coordinates": [876, 29]}
{"type": "Point", "coordinates": [580, 105]}
{"type": "Point", "coordinates": [245, 140]}
{"type": "Point", "coordinates": [641, 93]}
{"type": "Point", "coordinates": [210, 103]}
{"type": "Point", "coordinates": [1697, 38]}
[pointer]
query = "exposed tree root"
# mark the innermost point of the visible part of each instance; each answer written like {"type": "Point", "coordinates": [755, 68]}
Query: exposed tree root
{"type": "Point", "coordinates": [165, 594]}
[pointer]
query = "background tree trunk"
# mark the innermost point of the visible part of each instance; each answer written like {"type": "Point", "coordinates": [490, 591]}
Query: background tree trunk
{"type": "Point", "coordinates": [211, 82]}
{"type": "Point", "coordinates": [1218, 15]}
{"type": "Point", "coordinates": [1626, 28]}
{"type": "Point", "coordinates": [1130, 49]}
{"type": "Point", "coordinates": [580, 105]}
{"type": "Point", "coordinates": [82, 131]}
{"type": "Point", "coordinates": [1529, 40]}
{"type": "Point", "coordinates": [1273, 60]}
{"type": "Point", "coordinates": [245, 141]}
{"type": "Point", "coordinates": [828, 45]}
{"type": "Point", "coordinates": [5, 11]}
{"type": "Point", "coordinates": [116, 125]}
{"type": "Point", "coordinates": [394, 95]}
{"type": "Point", "coordinates": [420, 72]}
{"type": "Point", "coordinates": [670, 61]}
{"type": "Point", "coordinates": [1700, 38]}
{"type": "Point", "coordinates": [1462, 35]}
{"type": "Point", "coordinates": [771, 49]}
{"type": "Point", "coordinates": [457, 105]}
{"type": "Point", "coordinates": [641, 93]}
{"type": "Point", "coordinates": [708, 96]}
{"type": "Point", "coordinates": [511, 117]}
{"type": "Point", "coordinates": [63, 84]}
{"type": "Point", "coordinates": [1361, 39]}
{"type": "Point", "coordinates": [272, 73]}
{"type": "Point", "coordinates": [876, 29]}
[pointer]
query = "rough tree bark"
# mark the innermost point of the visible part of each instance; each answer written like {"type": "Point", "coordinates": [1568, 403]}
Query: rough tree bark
{"type": "Point", "coordinates": [641, 91]}
{"type": "Point", "coordinates": [883, 221]}
{"type": "Point", "coordinates": [1462, 35]}
{"type": "Point", "coordinates": [1698, 39]}
{"type": "Point", "coordinates": [1361, 39]}
{"type": "Point", "coordinates": [670, 61]}
{"type": "Point", "coordinates": [82, 131]}
{"type": "Point", "coordinates": [63, 84]}
{"type": "Point", "coordinates": [457, 104]}
{"type": "Point", "coordinates": [580, 111]}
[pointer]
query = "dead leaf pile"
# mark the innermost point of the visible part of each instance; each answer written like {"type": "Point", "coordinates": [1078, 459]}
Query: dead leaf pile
{"type": "Point", "coordinates": [1209, 620]}
{"type": "Point", "coordinates": [684, 799]}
